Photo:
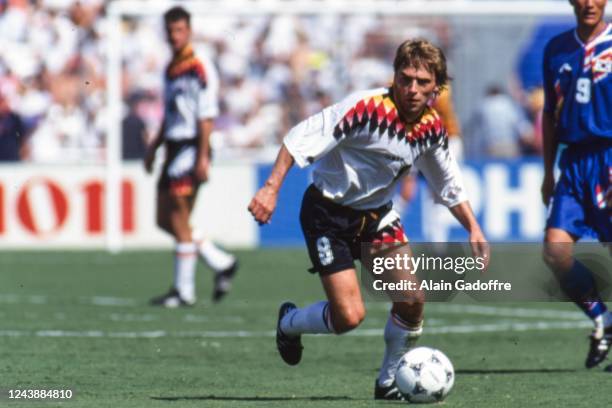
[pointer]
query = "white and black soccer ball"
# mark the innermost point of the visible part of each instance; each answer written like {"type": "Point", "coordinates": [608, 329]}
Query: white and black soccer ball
{"type": "Point", "coordinates": [424, 374]}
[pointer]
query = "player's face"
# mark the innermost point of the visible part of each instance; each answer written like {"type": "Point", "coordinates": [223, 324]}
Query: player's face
{"type": "Point", "coordinates": [412, 89]}
{"type": "Point", "coordinates": [589, 13]}
{"type": "Point", "coordinates": [178, 34]}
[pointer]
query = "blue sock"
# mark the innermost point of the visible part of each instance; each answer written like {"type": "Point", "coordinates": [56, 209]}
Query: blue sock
{"type": "Point", "coordinates": [579, 285]}
{"type": "Point", "coordinates": [594, 309]}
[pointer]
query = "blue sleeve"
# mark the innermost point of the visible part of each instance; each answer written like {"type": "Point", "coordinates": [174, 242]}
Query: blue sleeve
{"type": "Point", "coordinates": [550, 97]}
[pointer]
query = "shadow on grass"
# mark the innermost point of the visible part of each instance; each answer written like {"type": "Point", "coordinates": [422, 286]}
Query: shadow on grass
{"type": "Point", "coordinates": [254, 399]}
{"type": "Point", "coordinates": [518, 371]}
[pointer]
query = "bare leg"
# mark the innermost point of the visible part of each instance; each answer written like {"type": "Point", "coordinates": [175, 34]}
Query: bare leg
{"type": "Point", "coordinates": [173, 213]}
{"type": "Point", "coordinates": [579, 285]}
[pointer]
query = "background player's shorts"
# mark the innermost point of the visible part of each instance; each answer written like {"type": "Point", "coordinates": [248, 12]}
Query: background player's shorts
{"type": "Point", "coordinates": [334, 233]}
{"type": "Point", "coordinates": [578, 205]}
{"type": "Point", "coordinates": [178, 175]}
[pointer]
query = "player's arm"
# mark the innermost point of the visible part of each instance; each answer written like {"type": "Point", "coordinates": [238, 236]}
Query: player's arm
{"type": "Point", "coordinates": [443, 175]}
{"type": "Point", "coordinates": [203, 159]}
{"type": "Point", "coordinates": [464, 214]}
{"type": "Point", "coordinates": [152, 148]}
{"type": "Point", "coordinates": [550, 142]}
{"type": "Point", "coordinates": [550, 146]}
{"type": "Point", "coordinates": [305, 143]}
{"type": "Point", "coordinates": [263, 204]}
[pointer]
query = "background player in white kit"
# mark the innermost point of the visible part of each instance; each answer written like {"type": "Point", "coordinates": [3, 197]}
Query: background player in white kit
{"type": "Point", "coordinates": [361, 147]}
{"type": "Point", "coordinates": [190, 105]}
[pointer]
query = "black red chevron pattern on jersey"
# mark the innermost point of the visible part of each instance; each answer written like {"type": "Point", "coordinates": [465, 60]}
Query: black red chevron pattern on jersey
{"type": "Point", "coordinates": [380, 114]}
{"type": "Point", "coordinates": [186, 64]}
{"type": "Point", "coordinates": [391, 234]}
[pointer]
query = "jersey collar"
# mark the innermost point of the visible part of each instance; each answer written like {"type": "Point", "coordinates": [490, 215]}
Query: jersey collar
{"type": "Point", "coordinates": [595, 40]}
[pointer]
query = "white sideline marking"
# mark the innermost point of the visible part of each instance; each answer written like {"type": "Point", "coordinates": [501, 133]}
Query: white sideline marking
{"type": "Point", "coordinates": [458, 329]}
{"type": "Point", "coordinates": [488, 328]}
{"type": "Point", "coordinates": [130, 317]}
{"type": "Point", "coordinates": [457, 308]}
{"type": "Point", "coordinates": [32, 299]}
{"type": "Point", "coordinates": [110, 301]}
{"type": "Point", "coordinates": [190, 318]}
{"type": "Point", "coordinates": [433, 306]}
{"type": "Point", "coordinates": [503, 311]}
{"type": "Point", "coordinates": [94, 300]}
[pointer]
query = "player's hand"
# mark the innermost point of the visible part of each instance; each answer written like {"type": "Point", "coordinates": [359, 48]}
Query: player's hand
{"type": "Point", "coordinates": [263, 204]}
{"type": "Point", "coordinates": [149, 159]}
{"type": "Point", "coordinates": [480, 247]}
{"type": "Point", "coordinates": [547, 189]}
{"type": "Point", "coordinates": [201, 169]}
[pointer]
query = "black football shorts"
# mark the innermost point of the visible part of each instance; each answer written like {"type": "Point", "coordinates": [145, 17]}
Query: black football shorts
{"type": "Point", "coordinates": [178, 173]}
{"type": "Point", "coordinates": [334, 233]}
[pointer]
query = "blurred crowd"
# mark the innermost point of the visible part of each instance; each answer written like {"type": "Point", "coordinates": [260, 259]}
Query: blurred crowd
{"type": "Point", "coordinates": [273, 72]}
{"type": "Point", "coordinates": [51, 77]}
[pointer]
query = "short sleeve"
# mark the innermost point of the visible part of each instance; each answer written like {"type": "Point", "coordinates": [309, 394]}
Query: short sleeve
{"type": "Point", "coordinates": [312, 138]}
{"type": "Point", "coordinates": [442, 173]}
{"type": "Point", "coordinates": [208, 94]}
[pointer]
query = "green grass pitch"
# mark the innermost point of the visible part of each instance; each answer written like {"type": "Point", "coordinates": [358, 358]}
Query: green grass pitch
{"type": "Point", "coordinates": [80, 321]}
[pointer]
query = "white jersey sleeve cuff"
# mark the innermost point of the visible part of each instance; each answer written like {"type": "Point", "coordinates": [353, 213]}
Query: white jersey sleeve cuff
{"type": "Point", "coordinates": [452, 196]}
{"type": "Point", "coordinates": [294, 152]}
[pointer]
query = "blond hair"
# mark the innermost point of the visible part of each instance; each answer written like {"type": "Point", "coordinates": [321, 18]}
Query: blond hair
{"type": "Point", "coordinates": [420, 53]}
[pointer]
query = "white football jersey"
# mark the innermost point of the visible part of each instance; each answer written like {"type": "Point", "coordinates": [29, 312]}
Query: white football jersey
{"type": "Point", "coordinates": [360, 148]}
{"type": "Point", "coordinates": [190, 95]}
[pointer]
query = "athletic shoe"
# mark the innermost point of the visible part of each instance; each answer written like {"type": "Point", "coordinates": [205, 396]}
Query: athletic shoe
{"type": "Point", "coordinates": [223, 282]}
{"type": "Point", "coordinates": [387, 393]}
{"type": "Point", "coordinates": [600, 346]}
{"type": "Point", "coordinates": [290, 348]}
{"type": "Point", "coordinates": [171, 299]}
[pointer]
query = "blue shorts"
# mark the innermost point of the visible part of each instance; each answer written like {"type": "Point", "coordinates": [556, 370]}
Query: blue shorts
{"type": "Point", "coordinates": [578, 204]}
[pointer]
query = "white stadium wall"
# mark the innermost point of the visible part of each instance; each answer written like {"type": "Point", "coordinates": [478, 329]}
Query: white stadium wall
{"type": "Point", "coordinates": [63, 207]}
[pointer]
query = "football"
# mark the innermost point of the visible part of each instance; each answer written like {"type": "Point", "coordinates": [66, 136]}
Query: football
{"type": "Point", "coordinates": [425, 374]}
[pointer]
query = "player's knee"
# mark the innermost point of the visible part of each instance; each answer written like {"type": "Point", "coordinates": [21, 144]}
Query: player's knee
{"type": "Point", "coordinates": [348, 319]}
{"type": "Point", "coordinates": [410, 310]}
{"type": "Point", "coordinates": [164, 224]}
{"type": "Point", "coordinates": [557, 257]}
{"type": "Point", "coordinates": [416, 300]}
{"type": "Point", "coordinates": [558, 249]}
{"type": "Point", "coordinates": [549, 258]}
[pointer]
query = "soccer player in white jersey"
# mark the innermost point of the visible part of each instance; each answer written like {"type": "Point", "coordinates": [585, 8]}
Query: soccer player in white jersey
{"type": "Point", "coordinates": [190, 106]}
{"type": "Point", "coordinates": [360, 147]}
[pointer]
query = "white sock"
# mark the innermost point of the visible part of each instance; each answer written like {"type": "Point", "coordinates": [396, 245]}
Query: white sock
{"type": "Point", "coordinates": [184, 269]}
{"type": "Point", "coordinates": [213, 256]}
{"type": "Point", "coordinates": [310, 319]}
{"type": "Point", "coordinates": [601, 322]}
{"type": "Point", "coordinates": [399, 338]}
